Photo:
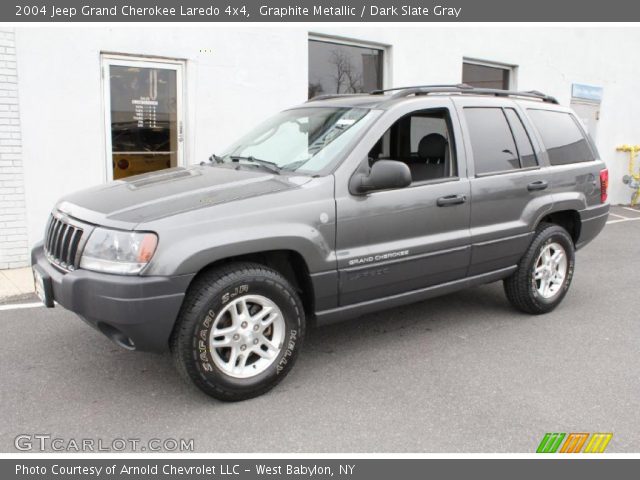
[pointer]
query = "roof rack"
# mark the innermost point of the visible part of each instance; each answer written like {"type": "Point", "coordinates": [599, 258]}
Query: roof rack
{"type": "Point", "coordinates": [462, 88]}
{"type": "Point", "coordinates": [328, 96]}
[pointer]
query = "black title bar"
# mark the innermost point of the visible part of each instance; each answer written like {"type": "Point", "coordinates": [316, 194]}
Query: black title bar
{"type": "Point", "coordinates": [316, 469]}
{"type": "Point", "coordinates": [319, 11]}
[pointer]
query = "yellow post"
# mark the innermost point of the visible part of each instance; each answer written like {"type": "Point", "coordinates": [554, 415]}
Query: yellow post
{"type": "Point", "coordinates": [634, 180]}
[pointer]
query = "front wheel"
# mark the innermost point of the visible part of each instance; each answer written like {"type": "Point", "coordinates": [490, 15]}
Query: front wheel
{"type": "Point", "coordinates": [544, 274]}
{"type": "Point", "coordinates": [239, 331]}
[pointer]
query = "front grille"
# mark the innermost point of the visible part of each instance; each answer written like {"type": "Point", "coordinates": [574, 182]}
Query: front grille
{"type": "Point", "coordinates": [61, 243]}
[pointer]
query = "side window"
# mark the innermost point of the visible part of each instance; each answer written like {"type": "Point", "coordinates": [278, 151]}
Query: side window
{"type": "Point", "coordinates": [423, 141]}
{"type": "Point", "coordinates": [562, 137]}
{"type": "Point", "coordinates": [523, 142]}
{"type": "Point", "coordinates": [421, 126]}
{"type": "Point", "coordinates": [491, 141]}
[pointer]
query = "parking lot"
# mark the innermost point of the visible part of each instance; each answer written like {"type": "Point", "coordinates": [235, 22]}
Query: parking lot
{"type": "Point", "coordinates": [460, 373]}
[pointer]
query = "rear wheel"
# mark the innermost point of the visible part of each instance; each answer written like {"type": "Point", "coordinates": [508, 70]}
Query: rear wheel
{"type": "Point", "coordinates": [544, 274]}
{"type": "Point", "coordinates": [239, 331]}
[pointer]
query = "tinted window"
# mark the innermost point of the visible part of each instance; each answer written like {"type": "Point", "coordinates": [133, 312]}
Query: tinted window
{"type": "Point", "coordinates": [336, 68]}
{"type": "Point", "coordinates": [525, 149]}
{"type": "Point", "coordinates": [485, 76]}
{"type": "Point", "coordinates": [562, 137]}
{"type": "Point", "coordinates": [144, 122]}
{"type": "Point", "coordinates": [491, 140]}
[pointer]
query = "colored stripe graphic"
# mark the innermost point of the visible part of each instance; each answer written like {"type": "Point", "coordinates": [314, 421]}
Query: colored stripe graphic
{"type": "Point", "coordinates": [550, 443]}
{"type": "Point", "coordinates": [574, 443]}
{"type": "Point", "coordinates": [598, 443]}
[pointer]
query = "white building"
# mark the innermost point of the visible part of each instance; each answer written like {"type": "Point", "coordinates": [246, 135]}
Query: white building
{"type": "Point", "coordinates": [80, 106]}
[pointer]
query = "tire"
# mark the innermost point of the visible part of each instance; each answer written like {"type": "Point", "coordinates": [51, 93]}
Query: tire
{"type": "Point", "coordinates": [228, 315]}
{"type": "Point", "coordinates": [525, 288]}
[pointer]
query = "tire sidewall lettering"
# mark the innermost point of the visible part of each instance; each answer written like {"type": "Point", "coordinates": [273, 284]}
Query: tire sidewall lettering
{"type": "Point", "coordinates": [234, 292]}
{"type": "Point", "coordinates": [203, 357]}
{"type": "Point", "coordinates": [570, 267]}
{"type": "Point", "coordinates": [288, 352]}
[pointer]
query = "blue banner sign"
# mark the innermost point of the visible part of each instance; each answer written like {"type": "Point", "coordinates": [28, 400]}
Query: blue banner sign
{"type": "Point", "coordinates": [586, 92]}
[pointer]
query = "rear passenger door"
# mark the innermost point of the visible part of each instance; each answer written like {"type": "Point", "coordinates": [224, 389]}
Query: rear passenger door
{"type": "Point", "coordinates": [571, 156]}
{"type": "Point", "coordinates": [509, 188]}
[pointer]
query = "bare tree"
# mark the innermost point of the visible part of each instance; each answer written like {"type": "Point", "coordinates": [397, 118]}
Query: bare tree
{"type": "Point", "coordinates": [354, 80]}
{"type": "Point", "coordinates": [340, 60]}
{"type": "Point", "coordinates": [347, 79]}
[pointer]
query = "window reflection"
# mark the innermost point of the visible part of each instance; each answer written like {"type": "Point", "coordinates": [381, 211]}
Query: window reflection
{"type": "Point", "coordinates": [144, 134]}
{"type": "Point", "coordinates": [337, 68]}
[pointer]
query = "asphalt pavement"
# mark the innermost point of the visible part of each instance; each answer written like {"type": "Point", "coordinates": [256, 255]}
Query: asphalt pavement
{"type": "Point", "coordinates": [460, 373]}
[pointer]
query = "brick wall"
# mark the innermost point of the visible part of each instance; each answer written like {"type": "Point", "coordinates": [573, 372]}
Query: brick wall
{"type": "Point", "coordinates": [13, 226]}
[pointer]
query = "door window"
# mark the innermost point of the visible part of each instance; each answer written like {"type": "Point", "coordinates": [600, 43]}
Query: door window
{"type": "Point", "coordinates": [493, 147]}
{"type": "Point", "coordinates": [423, 141]}
{"type": "Point", "coordinates": [144, 125]}
{"type": "Point", "coordinates": [523, 142]}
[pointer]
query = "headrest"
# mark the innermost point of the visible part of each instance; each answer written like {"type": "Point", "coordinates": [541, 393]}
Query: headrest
{"type": "Point", "coordinates": [433, 145]}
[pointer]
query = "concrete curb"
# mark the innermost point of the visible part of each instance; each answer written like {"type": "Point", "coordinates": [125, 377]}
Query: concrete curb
{"type": "Point", "coordinates": [16, 282]}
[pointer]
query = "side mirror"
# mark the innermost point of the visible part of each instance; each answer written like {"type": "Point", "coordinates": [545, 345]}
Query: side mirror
{"type": "Point", "coordinates": [384, 175]}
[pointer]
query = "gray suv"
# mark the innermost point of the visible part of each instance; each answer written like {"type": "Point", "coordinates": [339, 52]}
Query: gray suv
{"type": "Point", "coordinates": [339, 207]}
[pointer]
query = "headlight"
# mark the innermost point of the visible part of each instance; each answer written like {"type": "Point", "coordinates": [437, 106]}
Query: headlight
{"type": "Point", "coordinates": [116, 251]}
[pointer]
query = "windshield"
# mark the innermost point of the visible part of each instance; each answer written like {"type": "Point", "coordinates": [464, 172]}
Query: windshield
{"type": "Point", "coordinates": [302, 139]}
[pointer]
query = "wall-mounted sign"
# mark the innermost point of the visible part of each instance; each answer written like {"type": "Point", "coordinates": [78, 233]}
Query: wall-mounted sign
{"type": "Point", "coordinates": [586, 92]}
{"type": "Point", "coordinates": [145, 110]}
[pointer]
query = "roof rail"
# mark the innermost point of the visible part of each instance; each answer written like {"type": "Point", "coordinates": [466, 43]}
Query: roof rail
{"type": "Point", "coordinates": [328, 96]}
{"type": "Point", "coordinates": [463, 88]}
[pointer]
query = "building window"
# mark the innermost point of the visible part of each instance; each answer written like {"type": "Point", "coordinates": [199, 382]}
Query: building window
{"type": "Point", "coordinates": [144, 123]}
{"type": "Point", "coordinates": [487, 75]}
{"type": "Point", "coordinates": [341, 68]}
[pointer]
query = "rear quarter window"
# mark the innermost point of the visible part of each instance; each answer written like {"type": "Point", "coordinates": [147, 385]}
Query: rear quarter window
{"type": "Point", "coordinates": [562, 137]}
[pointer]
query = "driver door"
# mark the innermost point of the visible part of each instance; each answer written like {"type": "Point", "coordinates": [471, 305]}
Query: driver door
{"type": "Point", "coordinates": [396, 241]}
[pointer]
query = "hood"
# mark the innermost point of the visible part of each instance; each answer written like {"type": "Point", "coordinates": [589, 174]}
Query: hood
{"type": "Point", "coordinates": [143, 198]}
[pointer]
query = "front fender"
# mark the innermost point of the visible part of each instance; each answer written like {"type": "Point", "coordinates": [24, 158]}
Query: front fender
{"type": "Point", "coordinates": [308, 242]}
{"type": "Point", "coordinates": [300, 220]}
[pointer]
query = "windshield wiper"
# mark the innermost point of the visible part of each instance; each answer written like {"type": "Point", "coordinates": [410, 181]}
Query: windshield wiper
{"type": "Point", "coordinates": [294, 165]}
{"type": "Point", "coordinates": [214, 159]}
{"type": "Point", "coordinates": [266, 164]}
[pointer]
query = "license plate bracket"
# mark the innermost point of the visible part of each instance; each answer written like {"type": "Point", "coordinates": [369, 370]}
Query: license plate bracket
{"type": "Point", "coordinates": [43, 286]}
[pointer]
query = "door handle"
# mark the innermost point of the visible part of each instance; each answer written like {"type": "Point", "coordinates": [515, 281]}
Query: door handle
{"type": "Point", "coordinates": [451, 200]}
{"type": "Point", "coordinates": [539, 185]}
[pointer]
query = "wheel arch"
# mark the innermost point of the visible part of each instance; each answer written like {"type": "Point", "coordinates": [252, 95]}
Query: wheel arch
{"type": "Point", "coordinates": [291, 264]}
{"type": "Point", "coordinates": [568, 219]}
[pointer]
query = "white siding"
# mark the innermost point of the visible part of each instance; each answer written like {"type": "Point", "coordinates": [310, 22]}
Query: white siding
{"type": "Point", "coordinates": [13, 225]}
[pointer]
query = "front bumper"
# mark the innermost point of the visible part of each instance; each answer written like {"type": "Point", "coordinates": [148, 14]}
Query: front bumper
{"type": "Point", "coordinates": [136, 312]}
